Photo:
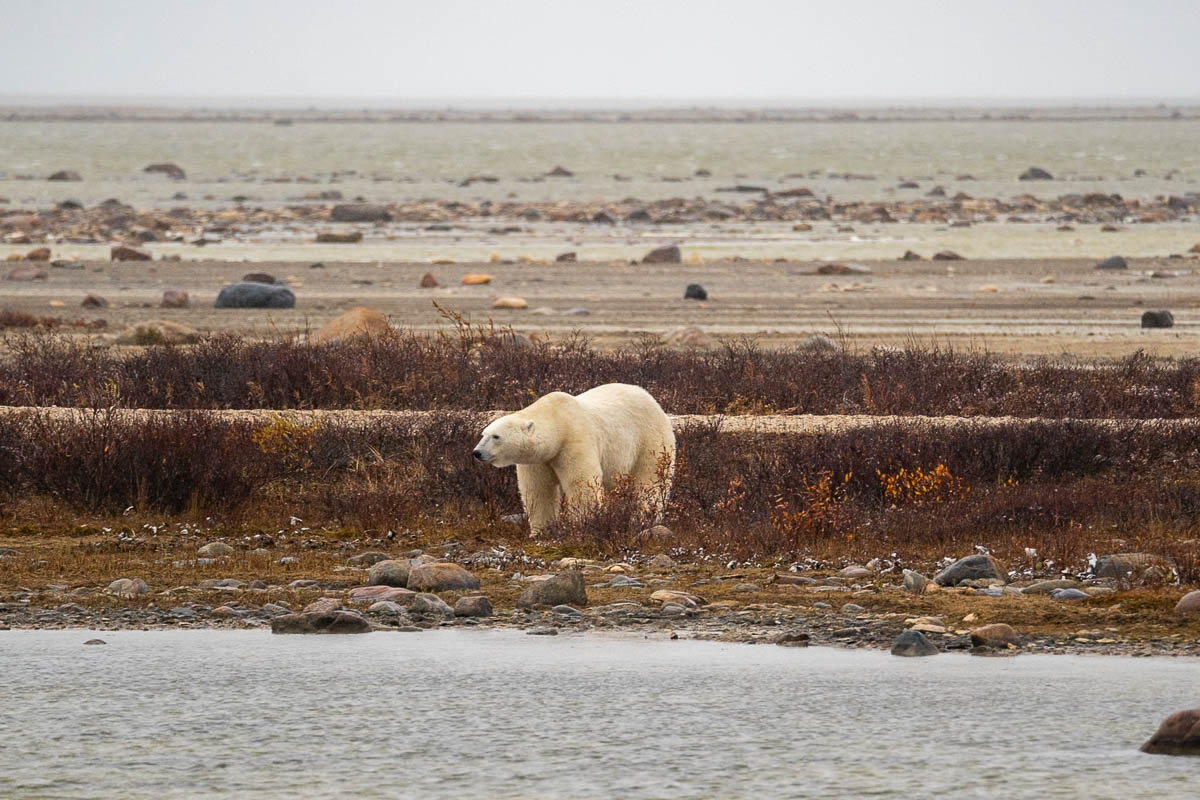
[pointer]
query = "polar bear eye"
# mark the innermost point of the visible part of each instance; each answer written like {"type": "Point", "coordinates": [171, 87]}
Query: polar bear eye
{"type": "Point", "coordinates": [495, 436]}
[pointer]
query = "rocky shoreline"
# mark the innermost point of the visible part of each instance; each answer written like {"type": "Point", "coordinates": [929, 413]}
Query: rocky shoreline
{"type": "Point", "coordinates": [856, 607]}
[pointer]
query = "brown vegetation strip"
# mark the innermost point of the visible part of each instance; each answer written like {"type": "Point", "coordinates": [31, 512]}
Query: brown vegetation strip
{"type": "Point", "coordinates": [910, 490]}
{"type": "Point", "coordinates": [477, 369]}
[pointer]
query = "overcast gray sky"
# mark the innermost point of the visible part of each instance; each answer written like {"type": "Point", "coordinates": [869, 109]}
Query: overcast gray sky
{"type": "Point", "coordinates": [735, 50]}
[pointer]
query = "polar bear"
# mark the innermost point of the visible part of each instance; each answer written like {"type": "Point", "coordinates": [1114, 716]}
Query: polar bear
{"type": "Point", "coordinates": [574, 447]}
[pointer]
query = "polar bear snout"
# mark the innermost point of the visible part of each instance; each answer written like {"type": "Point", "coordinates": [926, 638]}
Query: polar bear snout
{"type": "Point", "coordinates": [478, 455]}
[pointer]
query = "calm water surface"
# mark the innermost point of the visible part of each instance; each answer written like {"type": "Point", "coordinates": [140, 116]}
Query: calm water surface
{"type": "Point", "coordinates": [500, 714]}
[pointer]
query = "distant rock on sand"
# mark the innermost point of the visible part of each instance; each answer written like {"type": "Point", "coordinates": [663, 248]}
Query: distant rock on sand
{"type": "Point", "coordinates": [255, 295]}
{"type": "Point", "coordinates": [173, 171]}
{"type": "Point", "coordinates": [1158, 319]}
{"type": "Point", "coordinates": [123, 252]}
{"type": "Point", "coordinates": [159, 332]}
{"type": "Point", "coordinates": [360, 212]}
{"type": "Point", "coordinates": [663, 255]}
{"type": "Point", "coordinates": [358, 322]}
{"type": "Point", "coordinates": [175, 298]}
{"type": "Point", "coordinates": [1035, 174]}
{"type": "Point", "coordinates": [1113, 262]}
{"type": "Point", "coordinates": [65, 175]}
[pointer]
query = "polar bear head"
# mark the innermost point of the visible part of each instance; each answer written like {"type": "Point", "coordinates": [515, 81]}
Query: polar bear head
{"type": "Point", "coordinates": [513, 439]}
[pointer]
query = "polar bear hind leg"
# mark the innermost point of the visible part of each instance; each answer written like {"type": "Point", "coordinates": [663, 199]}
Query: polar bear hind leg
{"type": "Point", "coordinates": [653, 474]}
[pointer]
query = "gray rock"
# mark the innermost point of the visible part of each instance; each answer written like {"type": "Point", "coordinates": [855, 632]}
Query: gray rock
{"type": "Point", "coordinates": [1113, 262]}
{"type": "Point", "coordinates": [743, 588]}
{"type": "Point", "coordinates": [566, 611]}
{"type": "Point", "coordinates": [475, 606]}
{"type": "Point", "coordinates": [852, 608]}
{"type": "Point", "coordinates": [367, 559]}
{"type": "Point", "coordinates": [320, 622]}
{"type": "Point", "coordinates": [1141, 569]}
{"type": "Point", "coordinates": [913, 644]}
{"type": "Point", "coordinates": [695, 291]}
{"type": "Point", "coordinates": [431, 605]}
{"type": "Point", "coordinates": [255, 295]}
{"type": "Point", "coordinates": [577, 311]}
{"type": "Point", "coordinates": [360, 212]}
{"type": "Point", "coordinates": [1189, 604]}
{"type": "Point", "coordinates": [969, 568]}
{"type": "Point", "coordinates": [127, 587]}
{"type": "Point", "coordinates": [914, 582]}
{"type": "Point", "coordinates": [661, 563]}
{"type": "Point", "coordinates": [95, 641]}
{"type": "Point", "coordinates": [1046, 587]}
{"type": "Point", "coordinates": [1068, 594]}
{"type": "Point", "coordinates": [442, 576]}
{"type": "Point", "coordinates": [624, 581]}
{"type": "Point", "coordinates": [565, 588]}
{"type": "Point", "coordinates": [542, 630]}
{"type": "Point", "coordinates": [392, 572]}
{"type": "Point", "coordinates": [387, 608]}
{"type": "Point", "coordinates": [1158, 319]}
{"type": "Point", "coordinates": [215, 550]}
{"type": "Point", "coordinates": [323, 605]}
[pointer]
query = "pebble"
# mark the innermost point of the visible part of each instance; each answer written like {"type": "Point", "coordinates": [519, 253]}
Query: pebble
{"type": "Point", "coordinates": [95, 641]}
{"type": "Point", "coordinates": [852, 608]}
{"type": "Point", "coordinates": [542, 630]}
{"type": "Point", "coordinates": [566, 611]}
{"type": "Point", "coordinates": [215, 550]}
{"type": "Point", "coordinates": [1068, 594]}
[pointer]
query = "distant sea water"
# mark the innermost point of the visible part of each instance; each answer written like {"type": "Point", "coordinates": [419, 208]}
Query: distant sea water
{"type": "Point", "coordinates": [272, 164]}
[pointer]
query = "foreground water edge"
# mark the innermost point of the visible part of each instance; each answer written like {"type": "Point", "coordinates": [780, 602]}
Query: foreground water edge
{"type": "Point", "coordinates": [502, 714]}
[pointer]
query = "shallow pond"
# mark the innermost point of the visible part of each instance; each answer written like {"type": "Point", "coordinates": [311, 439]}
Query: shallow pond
{"type": "Point", "coordinates": [501, 714]}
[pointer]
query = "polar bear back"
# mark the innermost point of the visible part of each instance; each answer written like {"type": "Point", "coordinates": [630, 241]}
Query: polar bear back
{"type": "Point", "coordinates": [627, 426]}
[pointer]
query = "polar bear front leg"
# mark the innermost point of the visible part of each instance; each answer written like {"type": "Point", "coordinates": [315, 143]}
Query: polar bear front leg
{"type": "Point", "coordinates": [540, 494]}
{"type": "Point", "coordinates": [583, 483]}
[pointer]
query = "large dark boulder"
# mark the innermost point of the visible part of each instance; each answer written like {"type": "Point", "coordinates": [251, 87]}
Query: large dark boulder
{"type": "Point", "coordinates": [255, 295]}
{"type": "Point", "coordinates": [695, 291]}
{"type": "Point", "coordinates": [1035, 174]}
{"type": "Point", "coordinates": [1178, 735]}
{"type": "Point", "coordinates": [320, 622]}
{"type": "Point", "coordinates": [1158, 319]}
{"type": "Point", "coordinates": [1113, 262]}
{"type": "Point", "coordinates": [565, 588]}
{"type": "Point", "coordinates": [360, 212]}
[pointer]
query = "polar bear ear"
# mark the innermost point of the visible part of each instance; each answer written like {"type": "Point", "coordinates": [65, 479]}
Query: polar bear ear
{"type": "Point", "coordinates": [529, 426]}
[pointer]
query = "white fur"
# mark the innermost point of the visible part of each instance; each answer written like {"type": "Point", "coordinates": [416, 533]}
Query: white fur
{"type": "Point", "coordinates": [573, 448]}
